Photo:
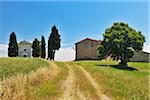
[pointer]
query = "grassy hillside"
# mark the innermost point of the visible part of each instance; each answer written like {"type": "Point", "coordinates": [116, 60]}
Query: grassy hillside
{"type": "Point", "coordinates": [12, 66]}
{"type": "Point", "coordinates": [50, 90]}
{"type": "Point", "coordinates": [30, 79]}
{"type": "Point", "coordinates": [37, 79]}
{"type": "Point", "coordinates": [120, 84]}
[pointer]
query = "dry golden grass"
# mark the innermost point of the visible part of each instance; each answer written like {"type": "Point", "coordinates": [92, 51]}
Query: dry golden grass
{"type": "Point", "coordinates": [31, 82]}
{"type": "Point", "coordinates": [16, 65]}
{"type": "Point", "coordinates": [83, 84]}
{"type": "Point", "coordinates": [19, 87]}
{"type": "Point", "coordinates": [51, 90]}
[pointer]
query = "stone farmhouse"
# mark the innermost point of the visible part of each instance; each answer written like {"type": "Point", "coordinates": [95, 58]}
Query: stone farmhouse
{"type": "Point", "coordinates": [25, 49]}
{"type": "Point", "coordinates": [86, 49]}
{"type": "Point", "coordinates": [141, 56]}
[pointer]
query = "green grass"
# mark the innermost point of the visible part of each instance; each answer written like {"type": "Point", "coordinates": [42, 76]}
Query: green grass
{"type": "Point", "coordinates": [19, 75]}
{"type": "Point", "coordinates": [83, 84]}
{"type": "Point", "coordinates": [51, 89]}
{"type": "Point", "coordinates": [120, 84]}
{"type": "Point", "coordinates": [116, 83]}
{"type": "Point", "coordinates": [12, 66]}
{"type": "Point", "coordinates": [44, 81]}
{"type": "Point", "coordinates": [142, 66]}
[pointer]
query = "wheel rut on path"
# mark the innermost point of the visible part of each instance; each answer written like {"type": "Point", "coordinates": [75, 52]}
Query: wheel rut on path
{"type": "Point", "coordinates": [69, 88]}
{"type": "Point", "coordinates": [94, 84]}
{"type": "Point", "coordinates": [70, 91]}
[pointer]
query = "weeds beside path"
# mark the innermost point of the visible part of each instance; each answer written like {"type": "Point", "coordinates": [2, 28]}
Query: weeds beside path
{"type": "Point", "coordinates": [119, 84]}
{"type": "Point", "coordinates": [94, 84]}
{"type": "Point", "coordinates": [21, 86]}
{"type": "Point", "coordinates": [83, 80]}
{"type": "Point", "coordinates": [79, 85]}
{"type": "Point", "coordinates": [38, 79]}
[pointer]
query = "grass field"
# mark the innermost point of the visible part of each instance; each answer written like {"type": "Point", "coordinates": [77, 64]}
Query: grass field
{"type": "Point", "coordinates": [120, 84]}
{"type": "Point", "coordinates": [51, 89]}
{"type": "Point", "coordinates": [12, 66]}
{"type": "Point", "coordinates": [30, 79]}
{"type": "Point", "coordinates": [37, 79]}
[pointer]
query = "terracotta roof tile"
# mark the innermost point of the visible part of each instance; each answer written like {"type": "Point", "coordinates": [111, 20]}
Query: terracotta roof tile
{"type": "Point", "coordinates": [89, 39]}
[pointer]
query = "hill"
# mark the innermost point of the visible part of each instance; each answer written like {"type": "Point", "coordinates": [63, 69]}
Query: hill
{"type": "Point", "coordinates": [37, 79]}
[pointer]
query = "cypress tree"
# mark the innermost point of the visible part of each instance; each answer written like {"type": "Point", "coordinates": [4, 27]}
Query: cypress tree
{"type": "Point", "coordinates": [53, 42]}
{"type": "Point", "coordinates": [13, 46]}
{"type": "Point", "coordinates": [49, 48]}
{"type": "Point", "coordinates": [35, 48]}
{"type": "Point", "coordinates": [43, 53]}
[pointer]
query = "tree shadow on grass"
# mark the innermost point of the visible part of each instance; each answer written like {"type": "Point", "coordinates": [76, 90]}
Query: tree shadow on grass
{"type": "Point", "coordinates": [119, 67]}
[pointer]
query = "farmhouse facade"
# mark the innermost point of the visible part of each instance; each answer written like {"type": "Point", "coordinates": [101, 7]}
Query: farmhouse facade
{"type": "Point", "coordinates": [141, 56]}
{"type": "Point", "coordinates": [24, 49]}
{"type": "Point", "coordinates": [87, 50]}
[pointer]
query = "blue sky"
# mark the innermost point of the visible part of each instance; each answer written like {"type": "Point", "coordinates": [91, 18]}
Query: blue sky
{"type": "Point", "coordinates": [74, 20]}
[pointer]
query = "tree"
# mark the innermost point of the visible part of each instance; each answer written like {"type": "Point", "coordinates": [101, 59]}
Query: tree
{"type": "Point", "coordinates": [120, 42]}
{"type": "Point", "coordinates": [13, 46]}
{"type": "Point", "coordinates": [50, 50]}
{"type": "Point", "coordinates": [53, 42]}
{"type": "Point", "coordinates": [35, 48]}
{"type": "Point", "coordinates": [43, 53]}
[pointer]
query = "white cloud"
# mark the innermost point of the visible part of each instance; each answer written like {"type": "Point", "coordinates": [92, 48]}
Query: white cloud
{"type": "Point", "coordinates": [3, 50]}
{"type": "Point", "coordinates": [146, 48]}
{"type": "Point", "coordinates": [65, 54]}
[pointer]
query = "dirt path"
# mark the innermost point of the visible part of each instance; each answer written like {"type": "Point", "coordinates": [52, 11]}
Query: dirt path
{"type": "Point", "coordinates": [94, 84]}
{"type": "Point", "coordinates": [68, 86]}
{"type": "Point", "coordinates": [71, 92]}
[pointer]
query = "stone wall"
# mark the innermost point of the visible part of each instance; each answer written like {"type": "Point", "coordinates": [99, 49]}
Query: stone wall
{"type": "Point", "coordinates": [141, 56]}
{"type": "Point", "coordinates": [25, 51]}
{"type": "Point", "coordinates": [86, 50]}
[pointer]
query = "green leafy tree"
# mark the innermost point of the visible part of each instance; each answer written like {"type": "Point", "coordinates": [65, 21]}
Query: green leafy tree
{"type": "Point", "coordinates": [120, 42]}
{"type": "Point", "coordinates": [13, 46]}
{"type": "Point", "coordinates": [43, 53]}
{"type": "Point", "coordinates": [53, 42]}
{"type": "Point", "coordinates": [35, 48]}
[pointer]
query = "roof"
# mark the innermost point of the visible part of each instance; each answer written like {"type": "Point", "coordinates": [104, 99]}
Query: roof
{"type": "Point", "coordinates": [144, 52]}
{"type": "Point", "coordinates": [24, 43]}
{"type": "Point", "coordinates": [88, 39]}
